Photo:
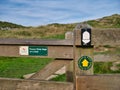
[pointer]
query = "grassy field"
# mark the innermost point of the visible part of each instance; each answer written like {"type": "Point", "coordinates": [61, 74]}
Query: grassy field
{"type": "Point", "coordinates": [16, 67]}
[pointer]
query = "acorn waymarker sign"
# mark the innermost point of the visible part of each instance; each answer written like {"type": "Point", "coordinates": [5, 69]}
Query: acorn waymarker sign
{"type": "Point", "coordinates": [86, 37]}
{"type": "Point", "coordinates": [85, 63]}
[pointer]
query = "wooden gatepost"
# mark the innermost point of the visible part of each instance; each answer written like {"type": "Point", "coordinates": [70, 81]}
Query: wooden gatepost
{"type": "Point", "coordinates": [75, 52]}
{"type": "Point", "coordinates": [83, 53]}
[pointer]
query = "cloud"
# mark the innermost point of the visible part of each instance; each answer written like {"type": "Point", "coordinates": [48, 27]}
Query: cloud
{"type": "Point", "coordinates": [37, 12]}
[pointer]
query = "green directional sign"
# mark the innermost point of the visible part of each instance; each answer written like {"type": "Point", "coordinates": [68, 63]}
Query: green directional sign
{"type": "Point", "coordinates": [85, 63]}
{"type": "Point", "coordinates": [38, 50]}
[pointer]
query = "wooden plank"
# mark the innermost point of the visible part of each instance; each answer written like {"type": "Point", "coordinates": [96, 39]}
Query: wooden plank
{"type": "Point", "coordinates": [35, 42]}
{"type": "Point", "coordinates": [106, 58]}
{"type": "Point", "coordinates": [98, 82]}
{"type": "Point", "coordinates": [53, 51]}
{"type": "Point", "coordinates": [50, 69]}
{"type": "Point", "coordinates": [62, 52]}
{"type": "Point", "coordinates": [21, 84]}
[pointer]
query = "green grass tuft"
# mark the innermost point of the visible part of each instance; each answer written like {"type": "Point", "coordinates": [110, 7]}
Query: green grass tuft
{"type": "Point", "coordinates": [60, 78]}
{"type": "Point", "coordinates": [102, 67]}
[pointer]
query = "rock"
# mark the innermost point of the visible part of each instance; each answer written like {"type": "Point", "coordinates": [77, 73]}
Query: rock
{"type": "Point", "coordinates": [28, 75]}
{"type": "Point", "coordinates": [115, 66]}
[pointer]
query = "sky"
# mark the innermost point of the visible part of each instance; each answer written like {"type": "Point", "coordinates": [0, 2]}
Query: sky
{"type": "Point", "coordinates": [42, 12]}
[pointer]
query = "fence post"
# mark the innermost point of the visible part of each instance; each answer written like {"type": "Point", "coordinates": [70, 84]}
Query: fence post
{"type": "Point", "coordinates": [69, 67]}
{"type": "Point", "coordinates": [83, 52]}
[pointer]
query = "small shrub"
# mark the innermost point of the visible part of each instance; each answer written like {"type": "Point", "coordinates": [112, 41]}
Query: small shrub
{"type": "Point", "coordinates": [107, 46]}
{"type": "Point", "coordinates": [23, 33]}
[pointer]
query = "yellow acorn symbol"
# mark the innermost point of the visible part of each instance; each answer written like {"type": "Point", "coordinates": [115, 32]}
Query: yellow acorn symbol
{"type": "Point", "coordinates": [85, 63]}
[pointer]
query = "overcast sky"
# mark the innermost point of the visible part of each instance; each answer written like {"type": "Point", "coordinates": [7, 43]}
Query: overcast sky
{"type": "Point", "coordinates": [41, 12]}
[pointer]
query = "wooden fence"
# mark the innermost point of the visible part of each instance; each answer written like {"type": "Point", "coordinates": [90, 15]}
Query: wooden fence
{"type": "Point", "coordinates": [75, 52]}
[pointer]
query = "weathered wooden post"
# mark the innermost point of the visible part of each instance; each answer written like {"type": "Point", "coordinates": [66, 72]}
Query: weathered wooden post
{"type": "Point", "coordinates": [83, 52]}
{"type": "Point", "coordinates": [69, 67]}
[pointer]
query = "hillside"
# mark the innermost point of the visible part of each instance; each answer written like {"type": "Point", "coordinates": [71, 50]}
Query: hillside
{"type": "Point", "coordinates": [55, 30]}
{"type": "Point", "coordinates": [106, 22]}
{"type": "Point", "coordinates": [9, 26]}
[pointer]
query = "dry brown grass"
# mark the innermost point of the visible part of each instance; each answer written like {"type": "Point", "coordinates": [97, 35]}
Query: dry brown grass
{"type": "Point", "coordinates": [37, 32]}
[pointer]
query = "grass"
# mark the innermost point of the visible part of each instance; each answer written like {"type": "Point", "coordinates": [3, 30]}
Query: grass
{"type": "Point", "coordinates": [102, 67]}
{"type": "Point", "coordinates": [47, 31]}
{"type": "Point", "coordinates": [59, 36]}
{"type": "Point", "coordinates": [107, 46]}
{"type": "Point", "coordinates": [16, 67]}
{"type": "Point", "coordinates": [104, 53]}
{"type": "Point", "coordinates": [59, 78]}
{"type": "Point", "coordinates": [106, 22]}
